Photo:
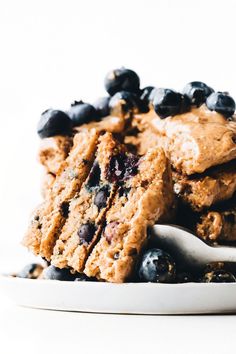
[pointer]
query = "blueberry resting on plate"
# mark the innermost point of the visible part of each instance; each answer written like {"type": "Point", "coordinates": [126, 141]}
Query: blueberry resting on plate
{"type": "Point", "coordinates": [222, 103]}
{"type": "Point", "coordinates": [54, 122]}
{"type": "Point", "coordinates": [197, 92]}
{"type": "Point", "coordinates": [54, 273]}
{"type": "Point", "coordinates": [121, 80]}
{"type": "Point", "coordinates": [218, 276]}
{"type": "Point", "coordinates": [167, 102]}
{"type": "Point", "coordinates": [157, 266]}
{"type": "Point", "coordinates": [81, 277]}
{"type": "Point", "coordinates": [102, 106]}
{"type": "Point", "coordinates": [31, 271]}
{"type": "Point", "coordinates": [184, 277]}
{"type": "Point", "coordinates": [81, 113]}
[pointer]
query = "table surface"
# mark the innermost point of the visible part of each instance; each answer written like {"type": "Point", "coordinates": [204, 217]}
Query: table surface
{"type": "Point", "coordinates": [25, 330]}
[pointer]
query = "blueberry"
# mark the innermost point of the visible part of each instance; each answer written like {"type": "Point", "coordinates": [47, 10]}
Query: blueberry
{"type": "Point", "coordinates": [53, 122]}
{"type": "Point", "coordinates": [185, 104]}
{"type": "Point", "coordinates": [152, 95]}
{"type": "Point", "coordinates": [54, 273]}
{"type": "Point", "coordinates": [100, 199]}
{"type": "Point", "coordinates": [218, 276]}
{"type": "Point", "coordinates": [102, 106]}
{"type": "Point", "coordinates": [94, 177]}
{"type": "Point", "coordinates": [31, 271]}
{"type": "Point", "coordinates": [123, 191]}
{"type": "Point", "coordinates": [64, 209]}
{"type": "Point", "coordinates": [146, 94]}
{"type": "Point", "coordinates": [86, 232]}
{"type": "Point", "coordinates": [167, 102]}
{"type": "Point", "coordinates": [81, 113]}
{"type": "Point", "coordinates": [197, 92]}
{"type": "Point", "coordinates": [110, 231]}
{"type": "Point", "coordinates": [122, 167]}
{"type": "Point", "coordinates": [123, 102]}
{"type": "Point", "coordinates": [222, 103]}
{"type": "Point", "coordinates": [121, 80]}
{"type": "Point", "coordinates": [157, 266]}
{"type": "Point", "coordinates": [184, 277]}
{"type": "Point", "coordinates": [81, 277]}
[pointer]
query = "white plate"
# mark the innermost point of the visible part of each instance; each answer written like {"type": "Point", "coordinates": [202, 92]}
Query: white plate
{"type": "Point", "coordinates": [130, 298]}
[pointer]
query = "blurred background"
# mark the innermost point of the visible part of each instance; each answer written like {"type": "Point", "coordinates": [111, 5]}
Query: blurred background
{"type": "Point", "coordinates": [53, 52]}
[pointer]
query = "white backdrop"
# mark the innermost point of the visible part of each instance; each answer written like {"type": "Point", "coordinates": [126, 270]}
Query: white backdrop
{"type": "Point", "coordinates": [52, 52]}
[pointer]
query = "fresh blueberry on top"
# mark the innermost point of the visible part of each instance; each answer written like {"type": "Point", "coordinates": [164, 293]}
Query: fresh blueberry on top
{"type": "Point", "coordinates": [86, 232]}
{"type": "Point", "coordinates": [100, 199]}
{"type": "Point", "coordinates": [146, 94]}
{"type": "Point", "coordinates": [55, 273]}
{"type": "Point", "coordinates": [152, 95]}
{"type": "Point", "coordinates": [123, 102]}
{"type": "Point", "coordinates": [222, 103]}
{"type": "Point", "coordinates": [167, 102]}
{"type": "Point", "coordinates": [31, 271]}
{"type": "Point", "coordinates": [218, 276]}
{"type": "Point", "coordinates": [81, 113]}
{"type": "Point", "coordinates": [157, 266]}
{"type": "Point", "coordinates": [197, 92]}
{"type": "Point", "coordinates": [53, 122]}
{"type": "Point", "coordinates": [185, 104]}
{"type": "Point", "coordinates": [102, 106]}
{"type": "Point", "coordinates": [121, 80]}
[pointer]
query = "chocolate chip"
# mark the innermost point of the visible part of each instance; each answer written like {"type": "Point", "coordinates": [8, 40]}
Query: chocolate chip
{"type": "Point", "coordinates": [64, 209]}
{"type": "Point", "coordinates": [100, 199]}
{"type": "Point", "coordinates": [94, 176]}
{"type": "Point", "coordinates": [234, 139]}
{"type": "Point", "coordinates": [86, 232]}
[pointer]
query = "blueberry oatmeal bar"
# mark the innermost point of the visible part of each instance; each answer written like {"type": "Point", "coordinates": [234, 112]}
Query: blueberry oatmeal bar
{"type": "Point", "coordinates": [50, 216]}
{"type": "Point", "coordinates": [138, 203]}
{"type": "Point", "coordinates": [87, 210]}
{"type": "Point", "coordinates": [134, 158]}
